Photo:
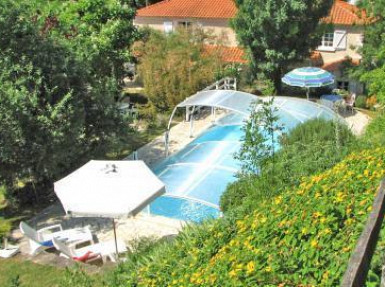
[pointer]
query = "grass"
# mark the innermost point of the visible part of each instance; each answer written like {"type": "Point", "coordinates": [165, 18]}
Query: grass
{"type": "Point", "coordinates": [31, 274]}
{"type": "Point", "coordinates": [37, 275]}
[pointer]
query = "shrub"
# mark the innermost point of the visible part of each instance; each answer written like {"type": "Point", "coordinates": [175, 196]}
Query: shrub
{"type": "Point", "coordinates": [375, 132]}
{"type": "Point", "coordinates": [174, 67]}
{"type": "Point", "coordinates": [361, 102]}
{"type": "Point", "coordinates": [309, 148]}
{"type": "Point", "coordinates": [303, 237]}
{"type": "Point", "coordinates": [5, 225]}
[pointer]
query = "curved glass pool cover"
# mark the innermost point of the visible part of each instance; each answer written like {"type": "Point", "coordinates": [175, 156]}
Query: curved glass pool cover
{"type": "Point", "coordinates": [196, 176]}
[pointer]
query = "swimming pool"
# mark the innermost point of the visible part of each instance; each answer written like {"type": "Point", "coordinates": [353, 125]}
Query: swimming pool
{"type": "Point", "coordinates": [197, 175]}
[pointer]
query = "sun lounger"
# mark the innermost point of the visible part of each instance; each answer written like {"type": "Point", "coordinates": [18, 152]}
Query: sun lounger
{"type": "Point", "coordinates": [86, 254]}
{"type": "Point", "coordinates": [42, 239]}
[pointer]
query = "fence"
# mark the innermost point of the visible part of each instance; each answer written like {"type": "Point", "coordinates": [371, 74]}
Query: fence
{"type": "Point", "coordinates": [359, 263]}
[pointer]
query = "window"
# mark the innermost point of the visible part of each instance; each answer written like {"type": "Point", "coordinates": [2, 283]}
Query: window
{"type": "Point", "coordinates": [327, 40]}
{"type": "Point", "coordinates": [343, 85]}
{"type": "Point", "coordinates": [184, 24]}
{"type": "Point", "coordinates": [167, 27]}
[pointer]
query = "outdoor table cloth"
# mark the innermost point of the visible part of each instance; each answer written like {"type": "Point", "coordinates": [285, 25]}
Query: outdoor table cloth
{"type": "Point", "coordinates": [331, 101]}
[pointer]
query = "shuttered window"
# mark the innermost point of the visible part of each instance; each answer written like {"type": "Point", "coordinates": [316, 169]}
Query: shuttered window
{"type": "Point", "coordinates": [167, 27]}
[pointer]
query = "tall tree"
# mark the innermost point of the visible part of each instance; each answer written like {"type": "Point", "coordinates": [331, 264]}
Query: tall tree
{"type": "Point", "coordinates": [57, 92]}
{"type": "Point", "coordinates": [175, 66]}
{"type": "Point", "coordinates": [372, 68]}
{"type": "Point", "coordinates": [278, 33]}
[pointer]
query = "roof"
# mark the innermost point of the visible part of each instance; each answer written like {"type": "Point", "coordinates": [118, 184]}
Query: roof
{"type": "Point", "coordinates": [342, 13]}
{"type": "Point", "coordinates": [228, 54]}
{"type": "Point", "coordinates": [221, 9]}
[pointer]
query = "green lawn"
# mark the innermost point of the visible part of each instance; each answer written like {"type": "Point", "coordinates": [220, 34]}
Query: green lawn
{"type": "Point", "coordinates": [31, 274]}
{"type": "Point", "coordinates": [36, 275]}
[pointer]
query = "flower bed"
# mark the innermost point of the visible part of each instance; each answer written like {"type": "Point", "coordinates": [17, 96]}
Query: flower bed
{"type": "Point", "coordinates": [303, 237]}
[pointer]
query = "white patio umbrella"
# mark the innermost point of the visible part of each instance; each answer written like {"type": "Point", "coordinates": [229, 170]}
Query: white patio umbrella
{"type": "Point", "coordinates": [111, 189]}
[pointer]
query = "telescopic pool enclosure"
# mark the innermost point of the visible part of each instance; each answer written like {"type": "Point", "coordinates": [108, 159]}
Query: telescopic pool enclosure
{"type": "Point", "coordinates": [196, 176]}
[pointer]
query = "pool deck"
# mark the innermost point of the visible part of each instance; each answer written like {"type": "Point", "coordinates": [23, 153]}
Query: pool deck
{"type": "Point", "coordinates": [357, 121]}
{"type": "Point", "coordinates": [179, 137]}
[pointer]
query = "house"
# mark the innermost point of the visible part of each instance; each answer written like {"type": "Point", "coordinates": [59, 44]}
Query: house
{"type": "Point", "coordinates": [336, 47]}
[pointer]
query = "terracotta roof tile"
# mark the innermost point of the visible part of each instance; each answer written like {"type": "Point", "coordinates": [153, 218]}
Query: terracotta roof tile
{"type": "Point", "coordinates": [228, 54]}
{"type": "Point", "coordinates": [224, 9]}
{"type": "Point", "coordinates": [344, 13]}
{"type": "Point", "coordinates": [341, 13]}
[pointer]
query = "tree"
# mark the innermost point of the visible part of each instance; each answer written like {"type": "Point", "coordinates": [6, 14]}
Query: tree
{"type": "Point", "coordinates": [279, 33]}
{"type": "Point", "coordinates": [260, 136]}
{"type": "Point", "coordinates": [57, 93]}
{"type": "Point", "coordinates": [175, 66]}
{"type": "Point", "coordinates": [372, 68]}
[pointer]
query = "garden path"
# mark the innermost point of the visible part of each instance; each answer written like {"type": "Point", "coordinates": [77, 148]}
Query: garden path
{"type": "Point", "coordinates": [357, 121]}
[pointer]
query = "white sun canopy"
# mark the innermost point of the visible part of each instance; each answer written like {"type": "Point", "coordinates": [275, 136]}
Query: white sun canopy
{"type": "Point", "coordinates": [108, 189]}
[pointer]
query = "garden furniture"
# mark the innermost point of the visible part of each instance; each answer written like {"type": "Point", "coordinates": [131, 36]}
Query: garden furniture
{"type": "Point", "coordinates": [42, 239]}
{"type": "Point", "coordinates": [91, 252]}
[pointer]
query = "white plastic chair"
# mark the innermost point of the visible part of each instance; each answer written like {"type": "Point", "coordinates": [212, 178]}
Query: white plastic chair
{"type": "Point", "coordinates": [92, 252]}
{"type": "Point", "coordinates": [42, 239]}
{"type": "Point", "coordinates": [350, 102]}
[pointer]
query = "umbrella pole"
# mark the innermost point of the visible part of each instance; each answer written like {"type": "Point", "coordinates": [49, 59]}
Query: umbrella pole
{"type": "Point", "coordinates": [308, 94]}
{"type": "Point", "coordinates": [116, 242]}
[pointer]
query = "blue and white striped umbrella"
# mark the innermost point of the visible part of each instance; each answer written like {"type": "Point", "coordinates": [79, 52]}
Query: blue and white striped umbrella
{"type": "Point", "coordinates": [309, 77]}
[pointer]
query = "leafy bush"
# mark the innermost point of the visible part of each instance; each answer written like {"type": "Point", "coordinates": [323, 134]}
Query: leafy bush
{"type": "Point", "coordinates": [302, 237]}
{"type": "Point", "coordinates": [375, 132]}
{"type": "Point", "coordinates": [309, 148]}
{"type": "Point", "coordinates": [174, 67]}
{"type": "Point", "coordinates": [5, 225]}
{"type": "Point", "coordinates": [361, 102]}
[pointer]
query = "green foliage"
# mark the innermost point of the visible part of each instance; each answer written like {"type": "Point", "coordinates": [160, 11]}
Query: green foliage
{"type": "Point", "coordinates": [361, 102]}
{"type": "Point", "coordinates": [175, 66]}
{"type": "Point", "coordinates": [375, 132]}
{"type": "Point", "coordinates": [15, 281]}
{"type": "Point", "coordinates": [5, 225]}
{"type": "Point", "coordinates": [303, 237]}
{"type": "Point", "coordinates": [61, 65]}
{"type": "Point", "coordinates": [77, 277]}
{"type": "Point", "coordinates": [259, 141]}
{"type": "Point", "coordinates": [307, 149]}
{"type": "Point", "coordinates": [270, 30]}
{"type": "Point", "coordinates": [372, 68]}
{"type": "Point", "coordinates": [375, 80]}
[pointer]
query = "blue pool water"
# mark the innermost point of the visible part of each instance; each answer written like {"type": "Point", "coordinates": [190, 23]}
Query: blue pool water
{"type": "Point", "coordinates": [197, 175]}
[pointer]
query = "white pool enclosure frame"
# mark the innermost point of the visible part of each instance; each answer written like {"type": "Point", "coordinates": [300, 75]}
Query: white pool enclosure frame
{"type": "Point", "coordinates": [241, 102]}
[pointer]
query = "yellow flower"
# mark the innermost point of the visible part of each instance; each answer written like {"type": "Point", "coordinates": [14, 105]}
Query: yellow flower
{"type": "Point", "coordinates": [233, 273]}
{"type": "Point", "coordinates": [278, 200]}
{"type": "Point", "coordinates": [325, 275]}
{"type": "Point", "coordinates": [250, 267]}
{"type": "Point", "coordinates": [268, 269]}
{"type": "Point", "coordinates": [314, 243]}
